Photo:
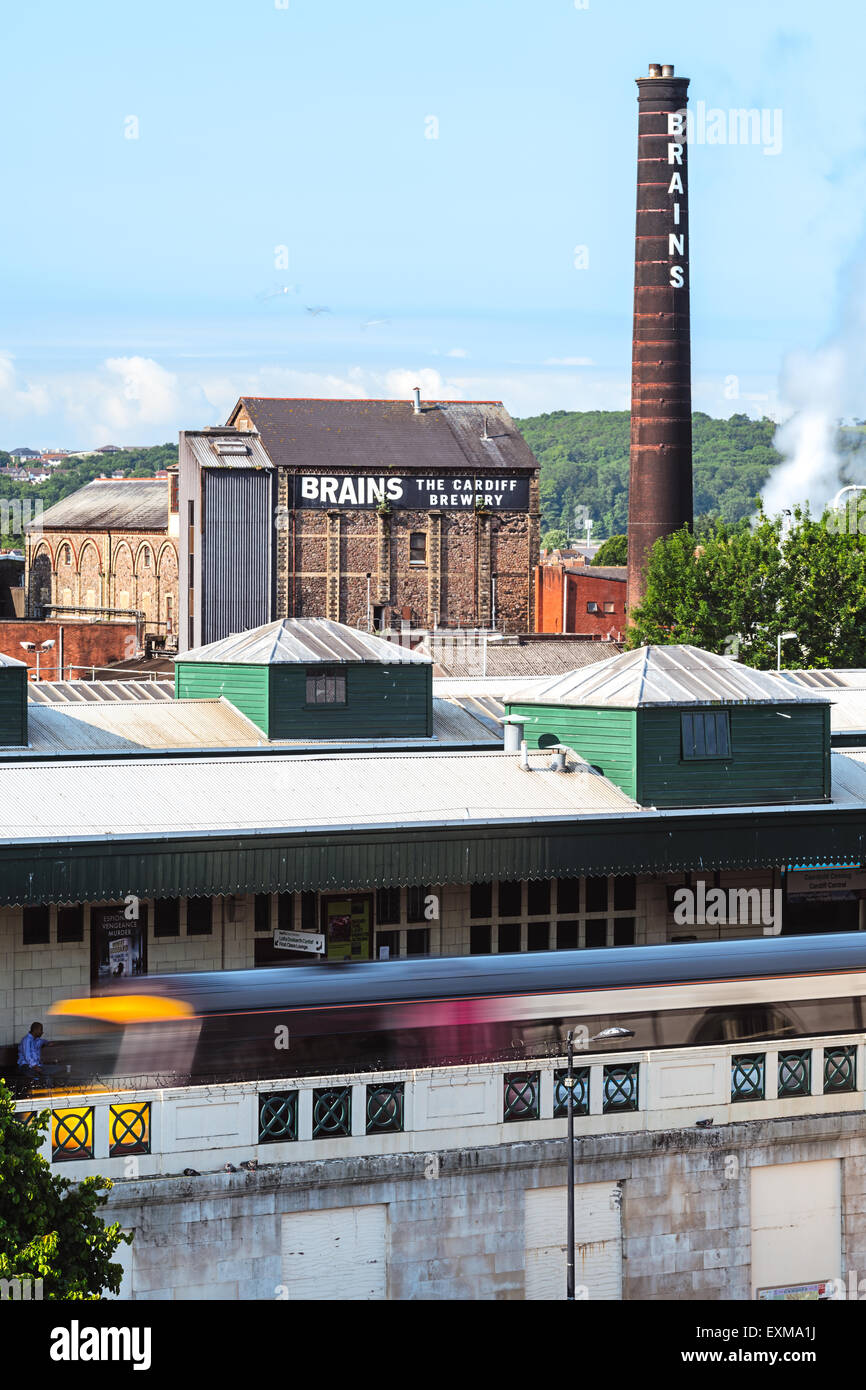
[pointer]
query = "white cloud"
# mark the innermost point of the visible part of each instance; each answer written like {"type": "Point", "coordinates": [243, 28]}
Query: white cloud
{"type": "Point", "coordinates": [457, 352]}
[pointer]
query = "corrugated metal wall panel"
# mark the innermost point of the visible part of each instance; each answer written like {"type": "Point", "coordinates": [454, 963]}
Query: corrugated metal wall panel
{"type": "Point", "coordinates": [13, 706]}
{"type": "Point", "coordinates": [238, 864]}
{"type": "Point", "coordinates": [597, 1242]}
{"type": "Point", "coordinates": [237, 545]}
{"type": "Point", "coordinates": [339, 1254]}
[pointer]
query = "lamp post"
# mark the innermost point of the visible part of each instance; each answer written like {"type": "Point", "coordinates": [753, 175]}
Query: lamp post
{"type": "Point", "coordinates": [569, 1257]}
{"type": "Point", "coordinates": [369, 577]}
{"type": "Point", "coordinates": [782, 637]}
{"type": "Point", "coordinates": [42, 647]}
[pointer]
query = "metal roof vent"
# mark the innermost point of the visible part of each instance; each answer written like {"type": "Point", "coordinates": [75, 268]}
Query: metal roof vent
{"type": "Point", "coordinates": [416, 407]}
{"type": "Point", "coordinates": [558, 762]}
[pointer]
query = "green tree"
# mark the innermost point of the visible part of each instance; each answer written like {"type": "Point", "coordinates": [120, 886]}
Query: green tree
{"type": "Point", "coordinates": [735, 589]}
{"type": "Point", "coordinates": [49, 1226]}
{"type": "Point", "coordinates": [554, 540]}
{"type": "Point", "coordinates": [614, 551]}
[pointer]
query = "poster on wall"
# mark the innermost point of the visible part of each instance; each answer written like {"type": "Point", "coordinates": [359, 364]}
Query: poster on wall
{"type": "Point", "coordinates": [117, 944]}
{"type": "Point", "coordinates": [347, 923]}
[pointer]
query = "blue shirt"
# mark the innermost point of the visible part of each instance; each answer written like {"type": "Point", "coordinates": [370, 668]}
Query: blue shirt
{"type": "Point", "coordinates": [30, 1051]}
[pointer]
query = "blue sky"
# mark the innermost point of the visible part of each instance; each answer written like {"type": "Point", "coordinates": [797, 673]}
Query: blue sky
{"type": "Point", "coordinates": [145, 290]}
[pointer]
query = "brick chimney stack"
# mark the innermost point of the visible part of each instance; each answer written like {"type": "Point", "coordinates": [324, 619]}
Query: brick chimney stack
{"type": "Point", "coordinates": [660, 475]}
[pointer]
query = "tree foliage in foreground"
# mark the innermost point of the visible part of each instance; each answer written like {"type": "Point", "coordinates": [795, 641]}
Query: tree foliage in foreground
{"type": "Point", "coordinates": [734, 589]}
{"type": "Point", "coordinates": [49, 1226]}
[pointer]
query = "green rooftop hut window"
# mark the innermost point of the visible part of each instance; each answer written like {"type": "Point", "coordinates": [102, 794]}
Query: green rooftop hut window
{"type": "Point", "coordinates": [326, 688]}
{"type": "Point", "coordinates": [706, 735]}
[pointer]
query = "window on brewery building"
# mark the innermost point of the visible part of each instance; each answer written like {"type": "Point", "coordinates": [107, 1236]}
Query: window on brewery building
{"type": "Point", "coordinates": [416, 906]}
{"type": "Point", "coordinates": [145, 557]}
{"type": "Point", "coordinates": [70, 923]}
{"type": "Point", "coordinates": [706, 735]}
{"type": "Point", "coordinates": [509, 937]}
{"type": "Point", "coordinates": [166, 917]}
{"type": "Point", "coordinates": [67, 555]}
{"type": "Point", "coordinates": [596, 895]}
{"type": "Point", "coordinates": [326, 688]}
{"type": "Point", "coordinates": [37, 926]}
{"type": "Point", "coordinates": [610, 608]}
{"type": "Point", "coordinates": [173, 501]}
{"type": "Point", "coordinates": [510, 899]}
{"type": "Point", "coordinates": [199, 916]}
{"type": "Point", "coordinates": [481, 900]}
{"type": "Point", "coordinates": [417, 548]}
{"type": "Point", "coordinates": [387, 906]}
{"type": "Point", "coordinates": [538, 897]}
{"type": "Point", "coordinates": [592, 608]}
{"type": "Point", "coordinates": [538, 936]}
{"type": "Point", "coordinates": [479, 940]}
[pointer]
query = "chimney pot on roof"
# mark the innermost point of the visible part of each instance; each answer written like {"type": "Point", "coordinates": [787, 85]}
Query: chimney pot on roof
{"type": "Point", "coordinates": [417, 403]}
{"type": "Point", "coordinates": [655, 69]}
{"type": "Point", "coordinates": [667, 70]}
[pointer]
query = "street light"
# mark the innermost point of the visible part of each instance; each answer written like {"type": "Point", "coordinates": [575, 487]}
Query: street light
{"type": "Point", "coordinates": [32, 647]}
{"type": "Point", "coordinates": [369, 577]}
{"type": "Point", "coordinates": [569, 1259]}
{"type": "Point", "coordinates": [782, 637]}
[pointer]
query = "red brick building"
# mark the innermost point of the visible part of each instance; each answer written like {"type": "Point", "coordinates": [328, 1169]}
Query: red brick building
{"type": "Point", "coordinates": [80, 648]}
{"type": "Point", "coordinates": [107, 549]}
{"type": "Point", "coordinates": [365, 512]}
{"type": "Point", "coordinates": [586, 600]}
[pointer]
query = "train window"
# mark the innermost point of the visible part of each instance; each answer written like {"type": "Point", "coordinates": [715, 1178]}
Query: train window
{"type": "Point", "coordinates": [751, 1023]}
{"type": "Point", "coordinates": [509, 938]}
{"type": "Point", "coordinates": [510, 899]}
{"type": "Point", "coordinates": [538, 936]}
{"type": "Point", "coordinates": [418, 941]}
{"type": "Point", "coordinates": [538, 897]}
{"type": "Point", "coordinates": [706, 735]}
{"type": "Point", "coordinates": [567, 936]}
{"type": "Point", "coordinates": [285, 911]}
{"type": "Point", "coordinates": [596, 935]}
{"type": "Point", "coordinates": [262, 912]}
{"type": "Point", "coordinates": [309, 912]}
{"type": "Point", "coordinates": [387, 905]}
{"type": "Point", "coordinates": [596, 895]}
{"type": "Point", "coordinates": [623, 932]}
{"type": "Point", "coordinates": [624, 893]}
{"type": "Point", "coordinates": [568, 895]}
{"type": "Point", "coordinates": [166, 917]}
{"type": "Point", "coordinates": [479, 940]}
{"type": "Point", "coordinates": [37, 926]}
{"type": "Point", "coordinates": [70, 923]}
{"type": "Point", "coordinates": [481, 900]}
{"type": "Point", "coordinates": [416, 906]}
{"type": "Point", "coordinates": [390, 940]}
{"type": "Point", "coordinates": [199, 916]}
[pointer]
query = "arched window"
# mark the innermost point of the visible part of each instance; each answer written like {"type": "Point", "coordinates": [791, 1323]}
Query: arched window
{"type": "Point", "coordinates": [145, 557]}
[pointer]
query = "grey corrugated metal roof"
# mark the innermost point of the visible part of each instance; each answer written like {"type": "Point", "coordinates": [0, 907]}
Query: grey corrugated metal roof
{"type": "Point", "coordinates": [231, 450]}
{"type": "Point", "coordinates": [10, 661]}
{"type": "Point", "coordinates": [459, 655]}
{"type": "Point", "coordinates": [115, 727]}
{"type": "Point", "coordinates": [90, 692]}
{"type": "Point", "coordinates": [676, 675]}
{"type": "Point", "coordinates": [69, 800]}
{"type": "Point", "coordinates": [336, 434]}
{"type": "Point", "coordinates": [303, 640]}
{"type": "Point", "coordinates": [135, 504]}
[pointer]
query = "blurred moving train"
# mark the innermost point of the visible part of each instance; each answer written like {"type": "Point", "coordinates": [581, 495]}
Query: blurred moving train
{"type": "Point", "coordinates": [327, 1019]}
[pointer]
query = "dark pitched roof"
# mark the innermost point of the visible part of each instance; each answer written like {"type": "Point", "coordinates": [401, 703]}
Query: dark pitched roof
{"type": "Point", "coordinates": [336, 434]}
{"type": "Point", "coordinates": [601, 572]}
{"type": "Point", "coordinates": [136, 504]}
{"type": "Point", "coordinates": [456, 656]}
